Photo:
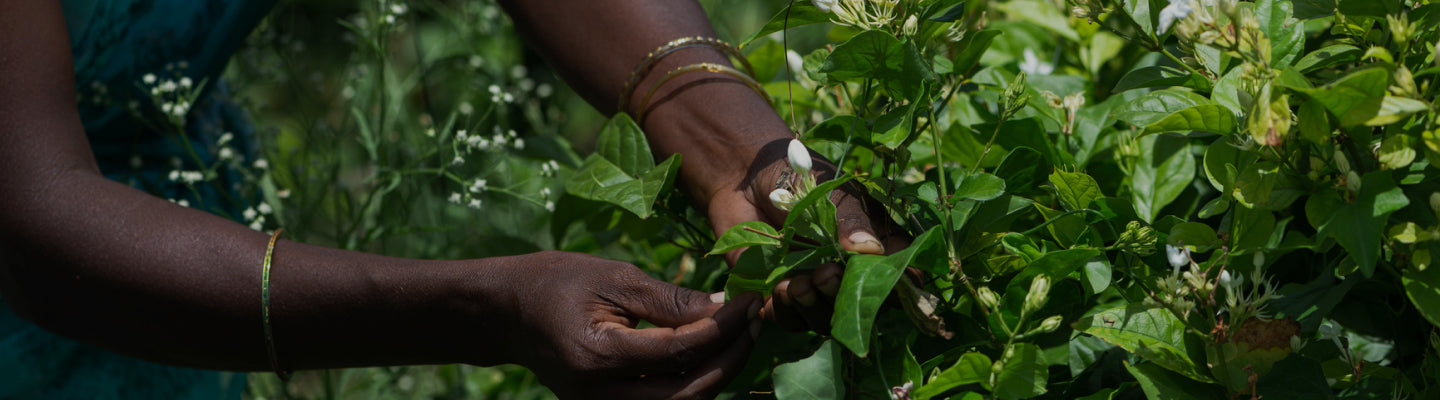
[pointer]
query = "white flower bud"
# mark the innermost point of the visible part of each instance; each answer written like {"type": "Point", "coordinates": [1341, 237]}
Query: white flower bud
{"type": "Point", "coordinates": [1352, 182]}
{"type": "Point", "coordinates": [1258, 259]}
{"type": "Point", "coordinates": [1038, 295]}
{"type": "Point", "coordinates": [911, 26]}
{"type": "Point", "coordinates": [1178, 257]}
{"type": "Point", "coordinates": [1341, 163]}
{"type": "Point", "coordinates": [987, 297]}
{"type": "Point", "coordinates": [783, 199]}
{"type": "Point", "coordinates": [799, 157]}
{"type": "Point", "coordinates": [1051, 324]}
{"type": "Point", "coordinates": [824, 5]}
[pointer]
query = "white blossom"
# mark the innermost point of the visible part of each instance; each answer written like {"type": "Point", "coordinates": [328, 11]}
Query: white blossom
{"type": "Point", "coordinates": [550, 206]}
{"type": "Point", "coordinates": [265, 208]}
{"type": "Point", "coordinates": [475, 204]}
{"type": "Point", "coordinates": [149, 79]}
{"type": "Point", "coordinates": [455, 198]}
{"type": "Point", "coordinates": [1033, 66]}
{"type": "Point", "coordinates": [783, 199]}
{"type": "Point", "coordinates": [250, 214]}
{"type": "Point", "coordinates": [824, 5]}
{"type": "Point", "coordinates": [1177, 10]}
{"type": "Point", "coordinates": [1178, 256]}
{"type": "Point", "coordinates": [799, 157]}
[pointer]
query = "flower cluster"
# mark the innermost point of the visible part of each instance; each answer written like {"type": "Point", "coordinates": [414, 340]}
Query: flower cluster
{"type": "Point", "coordinates": [800, 165]}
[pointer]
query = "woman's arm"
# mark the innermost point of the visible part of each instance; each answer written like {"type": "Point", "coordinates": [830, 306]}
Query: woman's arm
{"type": "Point", "coordinates": [98, 261]}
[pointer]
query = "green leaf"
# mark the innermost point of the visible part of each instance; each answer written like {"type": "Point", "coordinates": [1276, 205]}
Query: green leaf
{"type": "Point", "coordinates": [864, 56]}
{"type": "Point", "coordinates": [1042, 14]}
{"type": "Point", "coordinates": [1211, 118]}
{"type": "Point", "coordinates": [1144, 14]}
{"type": "Point", "coordinates": [1076, 189]}
{"type": "Point", "coordinates": [1287, 37]}
{"type": "Point", "coordinates": [1422, 286]}
{"type": "Point", "coordinates": [1314, 123]}
{"type": "Point", "coordinates": [1196, 234]}
{"type": "Point", "coordinates": [1328, 56]}
{"type": "Point", "coordinates": [1055, 265]}
{"type": "Point", "coordinates": [971, 368]}
{"type": "Point", "coordinates": [623, 144]}
{"type": "Point", "coordinates": [1221, 154]}
{"type": "Point", "coordinates": [821, 191]}
{"type": "Point", "coordinates": [1155, 106]}
{"type": "Point", "coordinates": [840, 129]}
{"type": "Point", "coordinates": [1160, 384]}
{"type": "Point", "coordinates": [745, 235]}
{"type": "Point", "coordinates": [1097, 275]}
{"type": "Point", "coordinates": [1025, 373]}
{"type": "Point", "coordinates": [867, 281]}
{"type": "Point", "coordinates": [1394, 109]}
{"type": "Point", "coordinates": [1165, 169]}
{"type": "Point", "coordinates": [952, 14]}
{"type": "Point", "coordinates": [599, 179]}
{"type": "Point", "coordinates": [815, 377]}
{"type": "Point", "coordinates": [1023, 170]}
{"type": "Point", "coordinates": [981, 187]}
{"type": "Point", "coordinates": [1354, 99]}
{"type": "Point", "coordinates": [1264, 186]}
{"type": "Point", "coordinates": [1359, 226]}
{"type": "Point", "coordinates": [1152, 333]}
{"type": "Point", "coordinates": [798, 14]}
{"type": "Point", "coordinates": [1295, 377]}
{"type": "Point", "coordinates": [971, 48]}
{"type": "Point", "coordinates": [1160, 76]}
{"type": "Point", "coordinates": [1396, 152]}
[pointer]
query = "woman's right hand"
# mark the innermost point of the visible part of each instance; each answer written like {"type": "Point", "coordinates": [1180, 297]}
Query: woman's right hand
{"type": "Point", "coordinates": [577, 318]}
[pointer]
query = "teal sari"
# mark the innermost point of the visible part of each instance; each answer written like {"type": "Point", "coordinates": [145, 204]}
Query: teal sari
{"type": "Point", "coordinates": [115, 44]}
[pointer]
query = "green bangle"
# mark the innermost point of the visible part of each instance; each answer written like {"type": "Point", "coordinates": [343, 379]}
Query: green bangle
{"type": "Point", "coordinates": [265, 306]}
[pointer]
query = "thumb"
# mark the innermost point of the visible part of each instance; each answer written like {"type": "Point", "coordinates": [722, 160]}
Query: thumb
{"type": "Point", "coordinates": [856, 232]}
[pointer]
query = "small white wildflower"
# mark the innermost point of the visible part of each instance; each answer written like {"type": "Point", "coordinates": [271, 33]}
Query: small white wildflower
{"type": "Point", "coordinates": [461, 135]}
{"type": "Point", "coordinates": [258, 225]}
{"type": "Point", "coordinates": [475, 204]}
{"type": "Point", "coordinates": [499, 140]}
{"type": "Point", "coordinates": [824, 5]}
{"type": "Point", "coordinates": [390, 19]}
{"type": "Point", "coordinates": [265, 208]}
{"type": "Point", "coordinates": [458, 161]}
{"type": "Point", "coordinates": [250, 214]}
{"type": "Point", "coordinates": [283, 193]}
{"type": "Point", "coordinates": [476, 61]}
{"type": "Point", "coordinates": [456, 198]}
{"type": "Point", "coordinates": [494, 89]}
{"type": "Point", "coordinates": [799, 157]}
{"type": "Point", "coordinates": [185, 82]}
{"type": "Point", "coordinates": [1177, 10]}
{"type": "Point", "coordinates": [149, 79]}
{"type": "Point", "coordinates": [347, 93]}
{"type": "Point", "coordinates": [527, 84]}
{"type": "Point", "coordinates": [262, 164]}
{"type": "Point", "coordinates": [518, 71]}
{"type": "Point", "coordinates": [226, 154]}
{"type": "Point", "coordinates": [225, 138]}
{"type": "Point", "coordinates": [544, 90]}
{"type": "Point", "coordinates": [1033, 66]}
{"type": "Point", "coordinates": [519, 143]}
{"type": "Point", "coordinates": [478, 186]}
{"type": "Point", "coordinates": [168, 86]}
{"type": "Point", "coordinates": [783, 199]}
{"type": "Point", "coordinates": [430, 132]}
{"type": "Point", "coordinates": [545, 193]}
{"type": "Point", "coordinates": [466, 108]}
{"type": "Point", "coordinates": [1178, 256]}
{"type": "Point", "coordinates": [508, 98]}
{"type": "Point", "coordinates": [398, 9]}
{"type": "Point", "coordinates": [550, 206]}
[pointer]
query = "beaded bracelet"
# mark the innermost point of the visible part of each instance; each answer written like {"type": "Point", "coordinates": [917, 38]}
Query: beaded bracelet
{"type": "Point", "coordinates": [650, 61]}
{"type": "Point", "coordinates": [706, 67]}
{"type": "Point", "coordinates": [265, 306]}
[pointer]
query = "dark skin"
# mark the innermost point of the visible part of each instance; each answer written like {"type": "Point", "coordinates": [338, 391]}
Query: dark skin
{"type": "Point", "coordinates": [103, 263]}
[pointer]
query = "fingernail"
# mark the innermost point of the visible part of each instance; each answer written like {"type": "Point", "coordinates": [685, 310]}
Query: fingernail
{"type": "Point", "coordinates": [755, 329]}
{"type": "Point", "coordinates": [864, 242]}
{"type": "Point", "coordinates": [717, 297]}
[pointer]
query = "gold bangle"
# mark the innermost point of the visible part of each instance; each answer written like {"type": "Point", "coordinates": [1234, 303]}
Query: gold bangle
{"type": "Point", "coordinates": [650, 61]}
{"type": "Point", "coordinates": [706, 67]}
{"type": "Point", "coordinates": [265, 306]}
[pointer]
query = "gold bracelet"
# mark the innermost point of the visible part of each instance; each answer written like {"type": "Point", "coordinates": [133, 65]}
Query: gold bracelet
{"type": "Point", "coordinates": [706, 67]}
{"type": "Point", "coordinates": [265, 306]}
{"type": "Point", "coordinates": [650, 61]}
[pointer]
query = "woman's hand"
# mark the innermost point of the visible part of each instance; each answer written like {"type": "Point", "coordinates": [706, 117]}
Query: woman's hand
{"type": "Point", "coordinates": [577, 330]}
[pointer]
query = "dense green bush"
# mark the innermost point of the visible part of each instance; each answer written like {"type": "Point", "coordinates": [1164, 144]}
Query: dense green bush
{"type": "Point", "coordinates": [1188, 199]}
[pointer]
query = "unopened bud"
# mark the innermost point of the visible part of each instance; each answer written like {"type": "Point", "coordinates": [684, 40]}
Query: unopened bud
{"type": "Point", "coordinates": [1051, 324]}
{"type": "Point", "coordinates": [911, 26]}
{"type": "Point", "coordinates": [783, 199]}
{"type": "Point", "coordinates": [1352, 182]}
{"type": "Point", "coordinates": [1258, 260]}
{"type": "Point", "coordinates": [1079, 12]}
{"type": "Point", "coordinates": [987, 297]}
{"type": "Point", "coordinates": [1341, 163]}
{"type": "Point", "coordinates": [1039, 294]}
{"type": "Point", "coordinates": [799, 157]}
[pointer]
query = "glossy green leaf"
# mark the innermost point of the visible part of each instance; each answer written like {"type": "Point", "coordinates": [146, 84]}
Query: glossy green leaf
{"type": "Point", "coordinates": [864, 56]}
{"type": "Point", "coordinates": [1097, 274]}
{"type": "Point", "coordinates": [867, 281]}
{"type": "Point", "coordinates": [1328, 56]}
{"type": "Point", "coordinates": [1263, 185]}
{"type": "Point", "coordinates": [745, 235]}
{"type": "Point", "coordinates": [1287, 37]}
{"type": "Point", "coordinates": [796, 14]}
{"type": "Point", "coordinates": [1422, 286]}
{"type": "Point", "coordinates": [1221, 154]}
{"type": "Point", "coordinates": [817, 377]}
{"type": "Point", "coordinates": [1396, 152]}
{"type": "Point", "coordinates": [1023, 170]}
{"type": "Point", "coordinates": [1165, 169]}
{"type": "Point", "coordinates": [816, 195]}
{"type": "Point", "coordinates": [1056, 265]}
{"type": "Point", "coordinates": [971, 48]}
{"type": "Point", "coordinates": [1210, 118]}
{"type": "Point", "coordinates": [1160, 384]}
{"type": "Point", "coordinates": [623, 143]}
{"type": "Point", "coordinates": [1144, 13]}
{"type": "Point", "coordinates": [1355, 98]}
{"type": "Point", "coordinates": [981, 187]}
{"type": "Point", "coordinates": [599, 179]}
{"type": "Point", "coordinates": [1314, 123]}
{"type": "Point", "coordinates": [1152, 333]}
{"type": "Point", "coordinates": [1359, 226]}
{"type": "Point", "coordinates": [1025, 374]}
{"type": "Point", "coordinates": [1198, 235]}
{"type": "Point", "coordinates": [1155, 106]}
{"type": "Point", "coordinates": [1076, 189]}
{"type": "Point", "coordinates": [842, 129]}
{"type": "Point", "coordinates": [1395, 109]}
{"type": "Point", "coordinates": [952, 14]}
{"type": "Point", "coordinates": [1160, 76]}
{"type": "Point", "coordinates": [971, 368]}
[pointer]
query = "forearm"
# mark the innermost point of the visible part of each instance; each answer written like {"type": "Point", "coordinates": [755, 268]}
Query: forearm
{"type": "Point", "coordinates": [716, 122]}
{"type": "Point", "coordinates": [103, 263]}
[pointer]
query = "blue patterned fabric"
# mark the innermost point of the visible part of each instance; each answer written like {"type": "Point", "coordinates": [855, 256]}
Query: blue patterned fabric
{"type": "Point", "coordinates": [115, 44]}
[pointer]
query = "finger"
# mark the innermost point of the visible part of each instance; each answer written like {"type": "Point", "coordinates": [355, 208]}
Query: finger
{"type": "Point", "coordinates": [854, 225]}
{"type": "Point", "coordinates": [728, 213]}
{"type": "Point", "coordinates": [782, 309]}
{"type": "Point", "coordinates": [665, 349]}
{"type": "Point", "coordinates": [811, 307]}
{"type": "Point", "coordinates": [828, 278]}
{"type": "Point", "coordinates": [705, 381]}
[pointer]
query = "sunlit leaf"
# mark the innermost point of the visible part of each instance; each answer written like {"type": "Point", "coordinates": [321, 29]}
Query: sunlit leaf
{"type": "Point", "coordinates": [971, 368]}
{"type": "Point", "coordinates": [1210, 118]}
{"type": "Point", "coordinates": [746, 234]}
